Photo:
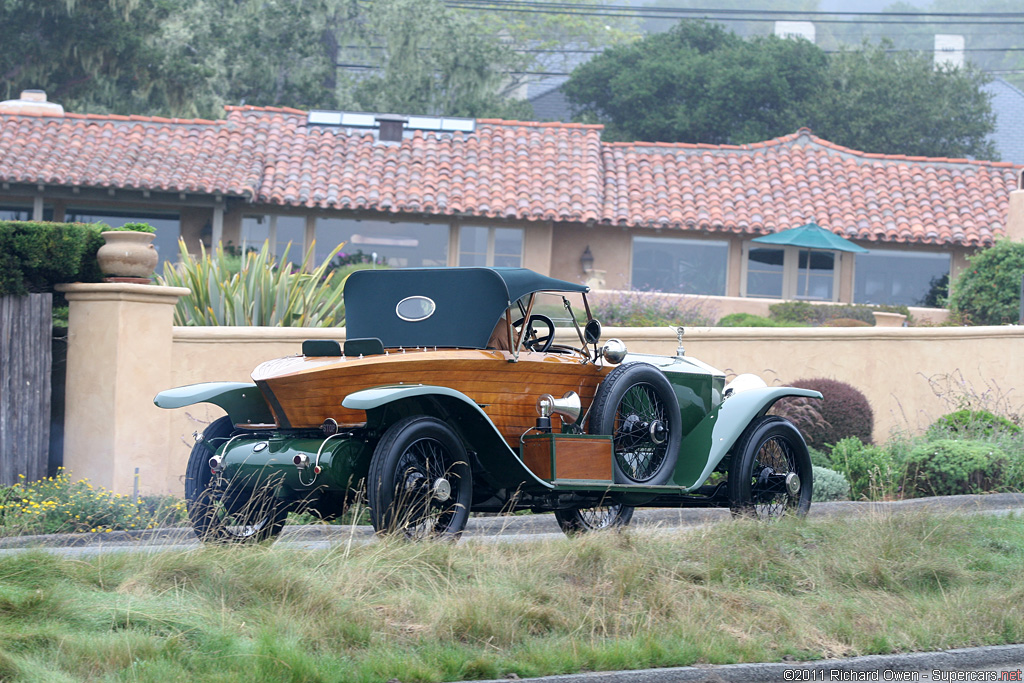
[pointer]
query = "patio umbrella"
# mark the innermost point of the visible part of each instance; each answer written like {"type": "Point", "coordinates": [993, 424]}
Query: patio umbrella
{"type": "Point", "coordinates": [811, 236]}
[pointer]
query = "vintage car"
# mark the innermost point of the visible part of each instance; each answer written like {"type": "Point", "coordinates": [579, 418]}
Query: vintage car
{"type": "Point", "coordinates": [451, 395]}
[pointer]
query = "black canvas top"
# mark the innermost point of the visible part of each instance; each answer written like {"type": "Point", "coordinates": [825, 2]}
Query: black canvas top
{"type": "Point", "coordinates": [466, 303]}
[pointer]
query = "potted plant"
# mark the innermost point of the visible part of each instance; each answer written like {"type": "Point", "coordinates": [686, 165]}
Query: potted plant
{"type": "Point", "coordinates": [128, 253]}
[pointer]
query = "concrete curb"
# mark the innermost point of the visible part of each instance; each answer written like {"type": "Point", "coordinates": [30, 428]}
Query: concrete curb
{"type": "Point", "coordinates": [1004, 657]}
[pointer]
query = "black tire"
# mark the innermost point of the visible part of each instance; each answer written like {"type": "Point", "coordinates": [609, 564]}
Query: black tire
{"type": "Point", "coordinates": [420, 483]}
{"type": "Point", "coordinates": [764, 459]}
{"type": "Point", "coordinates": [637, 406]}
{"type": "Point", "coordinates": [226, 513]}
{"type": "Point", "coordinates": [581, 520]}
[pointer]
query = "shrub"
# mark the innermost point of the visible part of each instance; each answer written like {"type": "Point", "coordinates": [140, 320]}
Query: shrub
{"type": "Point", "coordinates": [819, 458]}
{"type": "Point", "coordinates": [60, 505]}
{"type": "Point", "coordinates": [988, 290]}
{"type": "Point", "coordinates": [829, 485]}
{"type": "Point", "coordinates": [651, 309]}
{"type": "Point", "coordinates": [34, 256]}
{"type": "Point", "coordinates": [971, 424]}
{"type": "Point", "coordinates": [845, 322]}
{"type": "Point", "coordinates": [258, 292]}
{"type": "Point", "coordinates": [873, 471]}
{"type": "Point", "coordinates": [133, 227]}
{"type": "Point", "coordinates": [845, 411]}
{"type": "Point", "coordinates": [804, 313]}
{"type": "Point", "coordinates": [947, 467]}
{"type": "Point", "coordinates": [746, 320]}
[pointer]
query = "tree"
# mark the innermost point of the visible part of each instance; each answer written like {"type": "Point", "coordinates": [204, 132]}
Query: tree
{"type": "Point", "coordinates": [699, 83]}
{"type": "Point", "coordinates": [436, 61]}
{"type": "Point", "coordinates": [900, 103]}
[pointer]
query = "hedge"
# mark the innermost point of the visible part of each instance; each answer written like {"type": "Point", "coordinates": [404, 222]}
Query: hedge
{"type": "Point", "coordinates": [34, 256]}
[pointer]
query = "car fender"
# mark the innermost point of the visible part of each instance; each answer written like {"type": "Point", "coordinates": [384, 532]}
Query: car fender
{"type": "Point", "coordinates": [500, 465]}
{"type": "Point", "coordinates": [736, 413]}
{"type": "Point", "coordinates": [242, 401]}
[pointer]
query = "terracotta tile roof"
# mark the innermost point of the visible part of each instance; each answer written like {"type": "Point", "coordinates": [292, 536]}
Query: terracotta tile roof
{"type": "Point", "coordinates": [520, 170]}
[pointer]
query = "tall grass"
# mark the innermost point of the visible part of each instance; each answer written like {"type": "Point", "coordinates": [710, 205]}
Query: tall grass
{"type": "Point", "coordinates": [735, 592]}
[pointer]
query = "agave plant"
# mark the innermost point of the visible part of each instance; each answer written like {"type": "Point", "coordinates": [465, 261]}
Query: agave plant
{"type": "Point", "coordinates": [263, 291]}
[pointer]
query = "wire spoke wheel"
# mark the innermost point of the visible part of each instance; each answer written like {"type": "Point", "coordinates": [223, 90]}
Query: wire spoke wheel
{"type": "Point", "coordinates": [770, 475]}
{"type": "Point", "coordinates": [637, 406]}
{"type": "Point", "coordinates": [584, 519]}
{"type": "Point", "coordinates": [421, 485]}
{"type": "Point", "coordinates": [226, 510]}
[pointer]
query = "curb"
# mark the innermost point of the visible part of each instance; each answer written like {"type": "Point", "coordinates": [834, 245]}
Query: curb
{"type": "Point", "coordinates": [887, 668]}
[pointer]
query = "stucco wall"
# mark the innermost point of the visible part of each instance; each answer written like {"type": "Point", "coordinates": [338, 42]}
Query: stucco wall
{"type": "Point", "coordinates": [123, 349]}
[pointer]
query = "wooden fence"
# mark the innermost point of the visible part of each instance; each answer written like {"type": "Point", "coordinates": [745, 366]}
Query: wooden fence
{"type": "Point", "coordinates": [25, 360]}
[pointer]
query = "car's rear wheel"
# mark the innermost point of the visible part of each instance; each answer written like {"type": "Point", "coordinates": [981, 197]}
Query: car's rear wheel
{"type": "Point", "coordinates": [579, 520]}
{"type": "Point", "coordinates": [770, 474]}
{"type": "Point", "coordinates": [227, 512]}
{"type": "Point", "coordinates": [420, 483]}
{"type": "Point", "coordinates": [637, 406]}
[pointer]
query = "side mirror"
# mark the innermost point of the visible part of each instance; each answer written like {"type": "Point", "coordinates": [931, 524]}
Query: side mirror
{"type": "Point", "coordinates": [592, 331]}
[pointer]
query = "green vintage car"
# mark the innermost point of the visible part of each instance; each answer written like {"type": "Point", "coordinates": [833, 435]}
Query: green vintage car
{"type": "Point", "coordinates": [454, 394]}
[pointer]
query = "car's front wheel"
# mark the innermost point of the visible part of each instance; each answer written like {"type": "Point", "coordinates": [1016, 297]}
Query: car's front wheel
{"type": "Point", "coordinates": [770, 474]}
{"type": "Point", "coordinates": [222, 512]}
{"type": "Point", "coordinates": [420, 483]}
{"type": "Point", "coordinates": [579, 520]}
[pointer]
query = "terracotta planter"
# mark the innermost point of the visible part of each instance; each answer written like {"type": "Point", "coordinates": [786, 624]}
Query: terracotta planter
{"type": "Point", "coordinates": [127, 253]}
{"type": "Point", "coordinates": [883, 319]}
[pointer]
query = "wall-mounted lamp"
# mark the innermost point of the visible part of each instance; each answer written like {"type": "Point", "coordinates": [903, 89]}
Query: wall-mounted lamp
{"type": "Point", "coordinates": [587, 260]}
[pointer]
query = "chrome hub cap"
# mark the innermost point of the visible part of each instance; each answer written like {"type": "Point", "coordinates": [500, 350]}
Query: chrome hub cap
{"type": "Point", "coordinates": [442, 490]}
{"type": "Point", "coordinates": [793, 484]}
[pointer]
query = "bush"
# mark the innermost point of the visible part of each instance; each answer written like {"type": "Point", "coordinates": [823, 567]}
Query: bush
{"type": "Point", "coordinates": [947, 468]}
{"type": "Point", "coordinates": [804, 313]}
{"type": "Point", "coordinates": [845, 322]}
{"type": "Point", "coordinates": [819, 458]}
{"type": "Point", "coordinates": [59, 505]}
{"type": "Point", "coordinates": [746, 320]}
{"type": "Point", "coordinates": [650, 309]}
{"type": "Point", "coordinates": [252, 289]}
{"type": "Point", "coordinates": [132, 227]}
{"type": "Point", "coordinates": [873, 471]}
{"type": "Point", "coordinates": [987, 292]}
{"type": "Point", "coordinates": [829, 485]}
{"type": "Point", "coordinates": [845, 411]}
{"type": "Point", "coordinates": [34, 256]}
{"type": "Point", "coordinates": [971, 424]}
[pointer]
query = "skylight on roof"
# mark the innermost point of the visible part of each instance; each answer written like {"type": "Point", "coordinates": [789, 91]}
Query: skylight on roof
{"type": "Point", "coordinates": [350, 119]}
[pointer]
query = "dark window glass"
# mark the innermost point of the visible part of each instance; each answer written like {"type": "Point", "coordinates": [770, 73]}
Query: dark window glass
{"type": "Point", "coordinates": [687, 266]}
{"type": "Point", "coordinates": [764, 272]}
{"type": "Point", "coordinates": [900, 277]}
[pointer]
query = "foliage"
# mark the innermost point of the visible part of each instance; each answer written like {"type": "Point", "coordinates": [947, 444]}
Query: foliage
{"type": "Point", "coordinates": [746, 320]}
{"type": "Point", "coordinates": [829, 485]}
{"type": "Point", "coordinates": [845, 322]}
{"type": "Point", "coordinates": [898, 102]}
{"type": "Point", "coordinates": [872, 471]}
{"type": "Point", "coordinates": [803, 312]}
{"type": "Point", "coordinates": [819, 458]}
{"type": "Point", "coordinates": [947, 467]}
{"type": "Point", "coordinates": [35, 256]}
{"type": "Point", "coordinates": [845, 410]}
{"type": "Point", "coordinates": [700, 83]}
{"type": "Point", "coordinates": [260, 293]}
{"type": "Point", "coordinates": [988, 290]}
{"type": "Point", "coordinates": [132, 227]}
{"type": "Point", "coordinates": [971, 424]}
{"type": "Point", "coordinates": [60, 505]}
{"type": "Point", "coordinates": [650, 309]}
{"type": "Point", "coordinates": [747, 592]}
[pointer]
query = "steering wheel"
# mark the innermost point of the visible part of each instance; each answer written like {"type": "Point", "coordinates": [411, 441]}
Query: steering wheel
{"type": "Point", "coordinates": [533, 342]}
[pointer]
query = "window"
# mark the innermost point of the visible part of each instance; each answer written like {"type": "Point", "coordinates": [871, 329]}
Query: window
{"type": "Point", "coordinates": [490, 246]}
{"type": "Point", "coordinates": [897, 277]}
{"type": "Point", "coordinates": [687, 266]}
{"type": "Point", "coordinates": [790, 273]}
{"type": "Point", "coordinates": [168, 227]}
{"type": "Point", "coordinates": [22, 213]}
{"type": "Point", "coordinates": [280, 230]}
{"type": "Point", "coordinates": [399, 245]}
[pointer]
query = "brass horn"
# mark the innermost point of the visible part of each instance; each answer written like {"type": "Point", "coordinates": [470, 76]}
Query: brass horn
{"type": "Point", "coordinates": [568, 406]}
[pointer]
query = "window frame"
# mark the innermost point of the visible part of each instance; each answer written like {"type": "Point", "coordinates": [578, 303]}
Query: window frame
{"type": "Point", "coordinates": [491, 239]}
{"type": "Point", "coordinates": [683, 239]}
{"type": "Point", "coordinates": [790, 272]}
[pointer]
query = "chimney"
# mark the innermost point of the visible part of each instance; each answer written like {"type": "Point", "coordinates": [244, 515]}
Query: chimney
{"type": "Point", "coordinates": [1015, 211]}
{"type": "Point", "coordinates": [391, 127]}
{"type": "Point", "coordinates": [32, 102]}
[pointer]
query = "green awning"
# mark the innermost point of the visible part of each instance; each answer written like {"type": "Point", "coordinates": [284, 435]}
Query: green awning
{"type": "Point", "coordinates": [811, 236]}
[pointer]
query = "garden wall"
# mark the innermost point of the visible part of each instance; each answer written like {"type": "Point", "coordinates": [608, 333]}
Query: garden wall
{"type": "Point", "coordinates": [123, 349]}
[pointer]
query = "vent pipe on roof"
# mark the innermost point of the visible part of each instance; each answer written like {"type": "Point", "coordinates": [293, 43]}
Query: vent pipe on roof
{"type": "Point", "coordinates": [390, 127]}
{"type": "Point", "coordinates": [32, 102]}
